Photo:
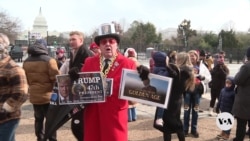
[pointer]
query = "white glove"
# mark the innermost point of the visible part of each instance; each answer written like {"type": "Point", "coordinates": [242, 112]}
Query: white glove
{"type": "Point", "coordinates": [7, 107]}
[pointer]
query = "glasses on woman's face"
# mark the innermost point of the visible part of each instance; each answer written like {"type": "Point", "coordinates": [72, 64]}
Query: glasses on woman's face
{"type": "Point", "coordinates": [105, 41]}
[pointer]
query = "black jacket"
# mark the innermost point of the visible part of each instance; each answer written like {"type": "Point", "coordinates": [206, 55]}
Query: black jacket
{"type": "Point", "coordinates": [219, 74]}
{"type": "Point", "coordinates": [171, 116]}
{"type": "Point", "coordinates": [80, 57]}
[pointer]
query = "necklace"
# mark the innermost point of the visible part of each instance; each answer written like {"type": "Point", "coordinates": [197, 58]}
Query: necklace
{"type": "Point", "coordinates": [110, 64]}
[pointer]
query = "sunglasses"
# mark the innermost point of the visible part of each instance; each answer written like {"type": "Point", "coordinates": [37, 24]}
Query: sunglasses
{"type": "Point", "coordinates": [105, 41]}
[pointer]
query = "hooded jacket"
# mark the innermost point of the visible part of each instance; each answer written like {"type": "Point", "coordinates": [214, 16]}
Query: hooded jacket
{"type": "Point", "coordinates": [226, 99]}
{"type": "Point", "coordinates": [41, 71]}
{"type": "Point", "coordinates": [160, 64]}
{"type": "Point", "coordinates": [241, 105]}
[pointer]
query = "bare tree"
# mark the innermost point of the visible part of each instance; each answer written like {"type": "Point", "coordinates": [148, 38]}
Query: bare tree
{"type": "Point", "coordinates": [9, 26]}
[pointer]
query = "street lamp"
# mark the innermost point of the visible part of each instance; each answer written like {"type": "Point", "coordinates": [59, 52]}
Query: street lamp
{"type": "Point", "coordinates": [182, 26]}
{"type": "Point", "coordinates": [220, 44]}
{"type": "Point", "coordinates": [28, 38]}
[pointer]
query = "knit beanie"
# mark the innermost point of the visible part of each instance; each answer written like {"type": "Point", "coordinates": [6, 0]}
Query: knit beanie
{"type": "Point", "coordinates": [160, 59]}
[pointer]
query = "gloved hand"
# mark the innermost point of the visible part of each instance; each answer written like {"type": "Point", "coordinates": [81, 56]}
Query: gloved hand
{"type": "Point", "coordinates": [5, 111]}
{"type": "Point", "coordinates": [73, 73]}
{"type": "Point", "coordinates": [143, 72]}
{"type": "Point", "coordinates": [3, 114]}
{"type": "Point", "coordinates": [7, 107]}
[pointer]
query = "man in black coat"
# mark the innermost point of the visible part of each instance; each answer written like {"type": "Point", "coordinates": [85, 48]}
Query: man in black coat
{"type": "Point", "coordinates": [219, 74]}
{"type": "Point", "coordinates": [241, 105]}
{"type": "Point", "coordinates": [78, 55]}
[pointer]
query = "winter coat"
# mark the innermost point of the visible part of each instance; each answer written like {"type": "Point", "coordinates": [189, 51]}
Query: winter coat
{"type": "Point", "coordinates": [241, 106]}
{"type": "Point", "coordinates": [160, 64]}
{"type": "Point", "coordinates": [13, 88]}
{"type": "Point", "coordinates": [159, 69]}
{"type": "Point", "coordinates": [80, 57]}
{"type": "Point", "coordinates": [107, 121]}
{"type": "Point", "coordinates": [226, 99]}
{"type": "Point", "coordinates": [204, 72]}
{"type": "Point", "coordinates": [41, 71]}
{"type": "Point", "coordinates": [219, 74]}
{"type": "Point", "coordinates": [171, 116]}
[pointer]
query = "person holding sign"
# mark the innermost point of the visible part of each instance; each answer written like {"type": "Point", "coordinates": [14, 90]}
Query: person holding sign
{"type": "Point", "coordinates": [183, 79]}
{"type": "Point", "coordinates": [107, 121]}
{"type": "Point", "coordinates": [78, 55]}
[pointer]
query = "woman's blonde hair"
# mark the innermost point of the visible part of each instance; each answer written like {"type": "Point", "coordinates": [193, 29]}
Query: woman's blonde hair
{"type": "Point", "coordinates": [184, 62]}
{"type": "Point", "coordinates": [183, 58]}
{"type": "Point", "coordinates": [195, 53]}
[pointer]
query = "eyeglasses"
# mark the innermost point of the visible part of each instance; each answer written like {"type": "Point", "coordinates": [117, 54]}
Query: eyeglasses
{"type": "Point", "coordinates": [105, 41]}
{"type": "Point", "coordinates": [221, 57]}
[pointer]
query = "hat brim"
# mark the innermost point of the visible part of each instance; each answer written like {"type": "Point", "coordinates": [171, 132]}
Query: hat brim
{"type": "Point", "coordinates": [115, 36]}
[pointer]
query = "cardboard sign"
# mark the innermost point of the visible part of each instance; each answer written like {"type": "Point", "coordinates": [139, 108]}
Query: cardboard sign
{"type": "Point", "coordinates": [155, 91]}
{"type": "Point", "coordinates": [89, 88]}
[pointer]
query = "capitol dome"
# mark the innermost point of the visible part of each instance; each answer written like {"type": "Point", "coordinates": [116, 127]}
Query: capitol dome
{"type": "Point", "coordinates": [40, 26]}
{"type": "Point", "coordinates": [40, 20]}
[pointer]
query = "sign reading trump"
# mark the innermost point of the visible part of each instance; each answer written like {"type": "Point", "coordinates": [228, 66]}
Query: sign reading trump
{"type": "Point", "coordinates": [88, 88]}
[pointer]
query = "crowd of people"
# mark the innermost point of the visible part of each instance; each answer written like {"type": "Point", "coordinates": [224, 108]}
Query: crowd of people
{"type": "Point", "coordinates": [192, 73]}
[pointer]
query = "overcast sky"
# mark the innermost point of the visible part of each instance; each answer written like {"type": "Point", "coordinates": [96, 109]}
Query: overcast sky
{"type": "Point", "coordinates": [86, 15]}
